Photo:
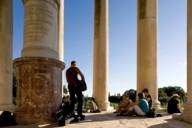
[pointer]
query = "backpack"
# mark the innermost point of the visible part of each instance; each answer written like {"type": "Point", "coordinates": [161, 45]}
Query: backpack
{"type": "Point", "coordinates": [63, 113]}
{"type": "Point", "coordinates": [82, 85]}
{"type": "Point", "coordinates": [7, 119]}
{"type": "Point", "coordinates": [151, 113]}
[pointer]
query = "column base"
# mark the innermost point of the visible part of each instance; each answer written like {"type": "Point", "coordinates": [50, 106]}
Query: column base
{"type": "Point", "coordinates": [110, 108]}
{"type": "Point", "coordinates": [39, 89]}
{"type": "Point", "coordinates": [156, 105]}
{"type": "Point", "coordinates": [186, 115]}
{"type": "Point", "coordinates": [8, 107]}
{"type": "Point", "coordinates": [105, 106]}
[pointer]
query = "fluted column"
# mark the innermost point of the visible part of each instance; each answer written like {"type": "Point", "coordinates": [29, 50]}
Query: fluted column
{"type": "Point", "coordinates": [39, 70]}
{"type": "Point", "coordinates": [6, 55]}
{"type": "Point", "coordinates": [61, 31]}
{"type": "Point", "coordinates": [187, 114]}
{"type": "Point", "coordinates": [101, 53]}
{"type": "Point", "coordinates": [41, 28]}
{"type": "Point", "coordinates": [61, 36]}
{"type": "Point", "coordinates": [147, 48]}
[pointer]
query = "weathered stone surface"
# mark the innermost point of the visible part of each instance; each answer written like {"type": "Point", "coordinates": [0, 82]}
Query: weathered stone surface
{"type": "Point", "coordinates": [147, 48]}
{"type": "Point", "coordinates": [187, 115]}
{"type": "Point", "coordinates": [61, 31]}
{"type": "Point", "coordinates": [39, 89]}
{"type": "Point", "coordinates": [41, 28]}
{"type": "Point", "coordinates": [101, 54]}
{"type": "Point", "coordinates": [110, 120]}
{"type": "Point", "coordinates": [6, 55]}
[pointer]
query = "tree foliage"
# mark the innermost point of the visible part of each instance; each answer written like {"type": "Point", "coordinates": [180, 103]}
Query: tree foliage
{"type": "Point", "coordinates": [166, 92]}
{"type": "Point", "coordinates": [116, 98]}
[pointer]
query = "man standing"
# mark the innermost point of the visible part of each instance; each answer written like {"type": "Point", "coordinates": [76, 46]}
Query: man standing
{"type": "Point", "coordinates": [74, 90]}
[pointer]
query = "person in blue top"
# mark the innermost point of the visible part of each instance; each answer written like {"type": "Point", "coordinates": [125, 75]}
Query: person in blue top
{"type": "Point", "coordinates": [142, 107]}
{"type": "Point", "coordinates": [148, 97]}
{"type": "Point", "coordinates": [143, 103]}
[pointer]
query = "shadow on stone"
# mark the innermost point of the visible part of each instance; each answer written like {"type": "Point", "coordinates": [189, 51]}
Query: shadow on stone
{"type": "Point", "coordinates": [172, 123]}
{"type": "Point", "coordinates": [101, 117]}
{"type": "Point", "coordinates": [35, 126]}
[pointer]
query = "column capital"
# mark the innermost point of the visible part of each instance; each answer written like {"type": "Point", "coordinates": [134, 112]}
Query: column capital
{"type": "Point", "coordinates": [6, 75]}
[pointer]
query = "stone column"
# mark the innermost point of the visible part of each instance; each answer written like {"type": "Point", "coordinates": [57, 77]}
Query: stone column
{"type": "Point", "coordinates": [41, 28]}
{"type": "Point", "coordinates": [101, 53]}
{"type": "Point", "coordinates": [38, 71]}
{"type": "Point", "coordinates": [147, 48]}
{"type": "Point", "coordinates": [187, 114]}
{"type": "Point", "coordinates": [6, 55]}
{"type": "Point", "coordinates": [61, 31]}
{"type": "Point", "coordinates": [61, 36]}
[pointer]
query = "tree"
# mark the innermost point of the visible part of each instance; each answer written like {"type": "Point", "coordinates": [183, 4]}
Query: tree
{"type": "Point", "coordinates": [166, 92]}
{"type": "Point", "coordinates": [170, 90]}
{"type": "Point", "coordinates": [163, 98]}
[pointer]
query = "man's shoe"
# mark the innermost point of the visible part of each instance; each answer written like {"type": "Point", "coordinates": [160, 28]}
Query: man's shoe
{"type": "Point", "coordinates": [82, 117]}
{"type": "Point", "coordinates": [74, 120]}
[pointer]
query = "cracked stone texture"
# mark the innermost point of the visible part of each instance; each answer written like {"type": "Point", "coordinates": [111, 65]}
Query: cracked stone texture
{"type": "Point", "coordinates": [39, 91]}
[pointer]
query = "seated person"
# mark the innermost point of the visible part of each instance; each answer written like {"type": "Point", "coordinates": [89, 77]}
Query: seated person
{"type": "Point", "coordinates": [148, 97]}
{"type": "Point", "coordinates": [173, 104]}
{"type": "Point", "coordinates": [93, 106]}
{"type": "Point", "coordinates": [149, 100]}
{"type": "Point", "coordinates": [124, 104]}
{"type": "Point", "coordinates": [141, 108]}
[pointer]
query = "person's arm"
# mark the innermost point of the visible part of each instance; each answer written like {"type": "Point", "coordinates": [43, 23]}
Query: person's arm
{"type": "Point", "coordinates": [81, 74]}
{"type": "Point", "coordinates": [134, 103]}
{"type": "Point", "coordinates": [178, 105]}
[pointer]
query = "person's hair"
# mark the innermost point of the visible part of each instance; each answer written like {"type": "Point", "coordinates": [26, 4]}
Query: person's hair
{"type": "Point", "coordinates": [149, 96]}
{"type": "Point", "coordinates": [145, 90]}
{"type": "Point", "coordinates": [140, 95]}
{"type": "Point", "coordinates": [73, 62]}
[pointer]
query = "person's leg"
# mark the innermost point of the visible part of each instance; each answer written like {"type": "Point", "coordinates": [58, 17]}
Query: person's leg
{"type": "Point", "coordinates": [72, 104]}
{"type": "Point", "coordinates": [72, 99]}
{"type": "Point", "coordinates": [131, 108]}
{"type": "Point", "coordinates": [130, 111]}
{"type": "Point", "coordinates": [138, 110]}
{"type": "Point", "coordinates": [80, 103]}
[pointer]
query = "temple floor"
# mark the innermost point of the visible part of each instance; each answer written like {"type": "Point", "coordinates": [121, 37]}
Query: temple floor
{"type": "Point", "coordinates": [110, 120]}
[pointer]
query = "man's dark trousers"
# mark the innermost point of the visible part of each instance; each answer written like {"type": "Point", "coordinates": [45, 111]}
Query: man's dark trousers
{"type": "Point", "coordinates": [76, 95]}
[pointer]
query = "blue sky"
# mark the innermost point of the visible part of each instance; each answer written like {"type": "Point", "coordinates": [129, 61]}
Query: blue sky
{"type": "Point", "coordinates": [78, 40]}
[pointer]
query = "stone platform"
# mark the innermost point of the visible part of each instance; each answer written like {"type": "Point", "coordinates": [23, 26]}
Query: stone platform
{"type": "Point", "coordinates": [110, 120]}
